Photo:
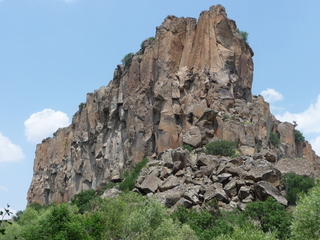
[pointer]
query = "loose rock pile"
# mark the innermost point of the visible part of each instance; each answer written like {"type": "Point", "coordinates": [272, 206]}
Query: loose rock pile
{"type": "Point", "coordinates": [177, 177]}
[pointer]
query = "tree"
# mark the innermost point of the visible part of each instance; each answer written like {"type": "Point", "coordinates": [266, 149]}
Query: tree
{"type": "Point", "coordinates": [81, 200]}
{"type": "Point", "coordinates": [306, 217]}
{"type": "Point", "coordinates": [296, 184]}
{"type": "Point", "coordinates": [271, 215]}
{"type": "Point", "coordinates": [126, 61]}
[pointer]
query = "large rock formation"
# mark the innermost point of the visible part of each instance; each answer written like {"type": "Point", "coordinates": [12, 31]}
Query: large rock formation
{"type": "Point", "coordinates": [191, 85]}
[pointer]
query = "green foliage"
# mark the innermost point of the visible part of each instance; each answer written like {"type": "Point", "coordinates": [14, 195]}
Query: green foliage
{"type": "Point", "coordinates": [130, 177]}
{"type": "Point", "coordinates": [5, 212]}
{"type": "Point", "coordinates": [17, 216]}
{"type": "Point", "coordinates": [126, 61]}
{"type": "Point", "coordinates": [223, 148]}
{"type": "Point", "coordinates": [202, 223]}
{"type": "Point", "coordinates": [188, 147]}
{"type": "Point", "coordinates": [150, 40]}
{"type": "Point", "coordinates": [248, 232]}
{"type": "Point", "coordinates": [271, 215]}
{"type": "Point", "coordinates": [82, 200]}
{"type": "Point", "coordinates": [298, 137]}
{"type": "Point", "coordinates": [274, 139]}
{"type": "Point", "coordinates": [152, 222]}
{"type": "Point", "coordinates": [58, 222]}
{"type": "Point", "coordinates": [306, 217]}
{"type": "Point", "coordinates": [296, 184]}
{"type": "Point", "coordinates": [82, 105]}
{"type": "Point", "coordinates": [244, 35]}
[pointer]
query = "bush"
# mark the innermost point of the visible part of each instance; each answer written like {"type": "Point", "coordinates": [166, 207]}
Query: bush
{"type": "Point", "coordinates": [296, 184]}
{"type": "Point", "coordinates": [306, 217]}
{"type": "Point", "coordinates": [247, 233]}
{"type": "Point", "coordinates": [202, 223]}
{"type": "Point", "coordinates": [56, 222]}
{"type": "Point", "coordinates": [298, 137]}
{"type": "Point", "coordinates": [130, 177]}
{"type": "Point", "coordinates": [223, 148]}
{"type": "Point", "coordinates": [81, 200]}
{"type": "Point", "coordinates": [274, 139]}
{"type": "Point", "coordinates": [150, 40]}
{"type": "Point", "coordinates": [126, 61]}
{"type": "Point", "coordinates": [188, 147]}
{"type": "Point", "coordinates": [244, 35]}
{"type": "Point", "coordinates": [271, 215]}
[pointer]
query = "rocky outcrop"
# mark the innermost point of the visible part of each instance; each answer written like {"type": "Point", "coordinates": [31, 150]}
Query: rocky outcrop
{"type": "Point", "coordinates": [191, 85]}
{"type": "Point", "coordinates": [178, 178]}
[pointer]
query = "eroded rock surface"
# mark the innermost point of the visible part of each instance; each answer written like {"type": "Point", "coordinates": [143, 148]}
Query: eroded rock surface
{"type": "Point", "coordinates": [191, 84]}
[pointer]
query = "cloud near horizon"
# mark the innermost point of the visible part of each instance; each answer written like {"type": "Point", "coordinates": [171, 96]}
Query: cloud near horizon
{"type": "Point", "coordinates": [9, 152]}
{"type": "Point", "coordinates": [43, 124]}
{"type": "Point", "coordinates": [270, 95]}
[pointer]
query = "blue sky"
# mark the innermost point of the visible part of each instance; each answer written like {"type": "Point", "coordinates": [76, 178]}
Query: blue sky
{"type": "Point", "coordinates": [53, 52]}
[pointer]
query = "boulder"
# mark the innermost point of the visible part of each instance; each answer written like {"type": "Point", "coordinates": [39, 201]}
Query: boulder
{"type": "Point", "coordinates": [265, 189]}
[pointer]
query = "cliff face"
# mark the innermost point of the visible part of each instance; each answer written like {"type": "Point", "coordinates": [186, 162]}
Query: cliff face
{"type": "Point", "coordinates": [191, 85]}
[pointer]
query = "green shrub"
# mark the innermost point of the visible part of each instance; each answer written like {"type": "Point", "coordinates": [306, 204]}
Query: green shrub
{"type": "Point", "coordinates": [274, 139]}
{"type": "Point", "coordinates": [222, 148]}
{"type": "Point", "coordinates": [150, 40]}
{"type": "Point", "coordinates": [56, 222]}
{"type": "Point", "coordinates": [298, 137]}
{"type": "Point", "coordinates": [82, 105]}
{"type": "Point", "coordinates": [130, 177]}
{"type": "Point", "coordinates": [271, 215]}
{"type": "Point", "coordinates": [248, 232]}
{"type": "Point", "coordinates": [126, 61]}
{"type": "Point", "coordinates": [296, 184]}
{"type": "Point", "coordinates": [188, 147]}
{"type": "Point", "coordinates": [82, 200]}
{"type": "Point", "coordinates": [244, 35]}
{"type": "Point", "coordinates": [202, 223]}
{"type": "Point", "coordinates": [306, 217]}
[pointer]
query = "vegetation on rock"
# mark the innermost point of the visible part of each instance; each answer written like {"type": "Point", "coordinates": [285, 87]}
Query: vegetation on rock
{"type": "Point", "coordinates": [222, 148]}
{"type": "Point", "coordinates": [274, 139]}
{"type": "Point", "coordinates": [126, 61]}
{"type": "Point", "coordinates": [188, 147]}
{"type": "Point", "coordinates": [130, 176]}
{"type": "Point", "coordinates": [298, 137]}
{"type": "Point", "coordinates": [244, 35]}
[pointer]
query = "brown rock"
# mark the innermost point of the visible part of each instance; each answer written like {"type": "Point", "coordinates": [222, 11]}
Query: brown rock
{"type": "Point", "coordinates": [192, 84]}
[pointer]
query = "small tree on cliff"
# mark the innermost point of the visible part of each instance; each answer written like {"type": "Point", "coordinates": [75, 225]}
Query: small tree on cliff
{"type": "Point", "coordinates": [126, 61]}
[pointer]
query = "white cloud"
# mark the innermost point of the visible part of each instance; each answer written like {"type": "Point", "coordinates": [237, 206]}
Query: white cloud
{"type": "Point", "coordinates": [308, 121]}
{"type": "Point", "coordinates": [2, 187]}
{"type": "Point", "coordinates": [315, 143]}
{"type": "Point", "coordinates": [42, 124]}
{"type": "Point", "coordinates": [9, 152]}
{"type": "Point", "coordinates": [270, 95]}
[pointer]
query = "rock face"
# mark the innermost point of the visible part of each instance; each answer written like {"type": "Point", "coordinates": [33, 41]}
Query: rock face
{"type": "Point", "coordinates": [191, 85]}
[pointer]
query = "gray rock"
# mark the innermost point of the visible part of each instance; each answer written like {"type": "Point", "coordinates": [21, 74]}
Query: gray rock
{"type": "Point", "coordinates": [265, 189]}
